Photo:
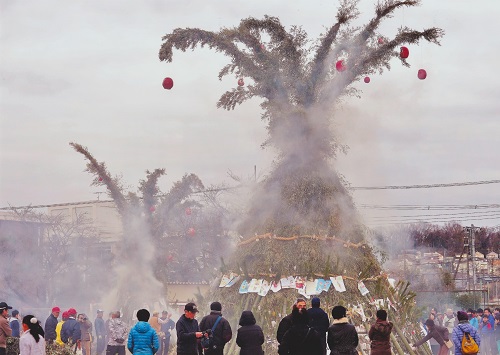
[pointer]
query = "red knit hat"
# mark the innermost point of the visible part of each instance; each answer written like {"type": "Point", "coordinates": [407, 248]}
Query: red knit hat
{"type": "Point", "coordinates": [71, 312]}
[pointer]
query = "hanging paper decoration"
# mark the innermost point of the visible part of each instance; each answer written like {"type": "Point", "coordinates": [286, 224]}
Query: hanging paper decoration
{"type": "Point", "coordinates": [422, 74]}
{"type": "Point", "coordinates": [191, 231]}
{"type": "Point", "coordinates": [224, 281]}
{"type": "Point", "coordinates": [275, 286]}
{"type": "Point", "coordinates": [338, 283]}
{"type": "Point", "coordinates": [340, 66]}
{"type": "Point", "coordinates": [288, 282]}
{"type": "Point", "coordinates": [255, 285]}
{"type": "Point", "coordinates": [327, 285]}
{"type": "Point", "coordinates": [188, 211]}
{"type": "Point", "coordinates": [392, 282]}
{"type": "Point", "coordinates": [152, 209]}
{"type": "Point", "coordinates": [241, 82]}
{"type": "Point", "coordinates": [404, 52]}
{"type": "Point", "coordinates": [264, 289]}
{"type": "Point", "coordinates": [234, 279]}
{"type": "Point", "coordinates": [300, 282]}
{"type": "Point", "coordinates": [362, 288]}
{"type": "Point", "coordinates": [366, 79]}
{"type": "Point", "coordinates": [168, 83]}
{"type": "Point", "coordinates": [311, 288]}
{"type": "Point", "coordinates": [243, 287]}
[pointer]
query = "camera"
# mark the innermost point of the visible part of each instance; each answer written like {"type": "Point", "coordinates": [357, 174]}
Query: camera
{"type": "Point", "coordinates": [207, 333]}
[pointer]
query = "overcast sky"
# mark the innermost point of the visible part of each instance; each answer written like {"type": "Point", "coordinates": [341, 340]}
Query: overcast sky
{"type": "Point", "coordinates": [88, 72]}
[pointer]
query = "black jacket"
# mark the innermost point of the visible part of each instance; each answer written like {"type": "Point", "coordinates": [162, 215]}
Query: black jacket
{"type": "Point", "coordinates": [285, 324]}
{"type": "Point", "coordinates": [301, 339]}
{"type": "Point", "coordinates": [50, 328]}
{"type": "Point", "coordinates": [342, 338]}
{"type": "Point", "coordinates": [250, 336]}
{"type": "Point", "coordinates": [222, 334]}
{"type": "Point", "coordinates": [318, 319]}
{"type": "Point", "coordinates": [187, 344]}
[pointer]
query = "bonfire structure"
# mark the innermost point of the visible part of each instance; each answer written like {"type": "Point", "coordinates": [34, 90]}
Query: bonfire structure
{"type": "Point", "coordinates": [157, 230]}
{"type": "Point", "coordinates": [302, 221]}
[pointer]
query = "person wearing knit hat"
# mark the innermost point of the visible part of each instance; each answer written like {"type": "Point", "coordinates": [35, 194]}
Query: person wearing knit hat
{"type": "Point", "coordinates": [318, 319]}
{"type": "Point", "coordinates": [222, 333]}
{"type": "Point", "coordinates": [342, 336]}
{"type": "Point", "coordinates": [51, 324]}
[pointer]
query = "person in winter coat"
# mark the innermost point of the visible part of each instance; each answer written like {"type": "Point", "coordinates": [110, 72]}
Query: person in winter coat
{"type": "Point", "coordinates": [221, 334]}
{"type": "Point", "coordinates": [32, 341]}
{"type": "Point", "coordinates": [318, 319]}
{"type": "Point", "coordinates": [14, 324]}
{"type": "Point", "coordinates": [59, 328]}
{"type": "Point", "coordinates": [70, 331]}
{"type": "Point", "coordinates": [250, 336]}
{"type": "Point", "coordinates": [380, 335]}
{"type": "Point", "coordinates": [459, 330]}
{"type": "Point", "coordinates": [439, 333]}
{"type": "Point", "coordinates": [301, 339]}
{"type": "Point", "coordinates": [342, 336]}
{"type": "Point", "coordinates": [85, 333]}
{"type": "Point", "coordinates": [142, 338]}
{"type": "Point", "coordinates": [117, 331]}
{"type": "Point", "coordinates": [100, 332]}
{"type": "Point", "coordinates": [51, 324]}
{"type": "Point", "coordinates": [188, 332]}
{"type": "Point", "coordinates": [5, 330]}
{"type": "Point", "coordinates": [286, 322]}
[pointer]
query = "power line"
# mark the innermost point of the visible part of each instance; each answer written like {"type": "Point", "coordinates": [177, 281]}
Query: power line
{"type": "Point", "coordinates": [403, 187]}
{"type": "Point", "coordinates": [429, 207]}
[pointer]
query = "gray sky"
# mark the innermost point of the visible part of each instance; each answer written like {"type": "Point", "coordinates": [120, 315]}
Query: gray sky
{"type": "Point", "coordinates": [88, 72]}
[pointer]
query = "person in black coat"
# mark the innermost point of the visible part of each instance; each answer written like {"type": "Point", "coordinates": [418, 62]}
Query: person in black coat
{"type": "Point", "coordinates": [286, 322]}
{"type": "Point", "coordinates": [318, 319]}
{"type": "Point", "coordinates": [250, 336]}
{"type": "Point", "coordinates": [342, 336]}
{"type": "Point", "coordinates": [221, 334]}
{"type": "Point", "coordinates": [301, 339]}
{"type": "Point", "coordinates": [188, 332]}
{"type": "Point", "coordinates": [50, 325]}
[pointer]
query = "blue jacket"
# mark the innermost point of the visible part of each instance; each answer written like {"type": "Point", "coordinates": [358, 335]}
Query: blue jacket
{"type": "Point", "coordinates": [142, 339]}
{"type": "Point", "coordinates": [458, 333]}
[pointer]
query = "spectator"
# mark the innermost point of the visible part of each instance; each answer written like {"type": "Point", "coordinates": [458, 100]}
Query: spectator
{"type": "Point", "coordinates": [85, 333]}
{"type": "Point", "coordinates": [250, 336]}
{"type": "Point", "coordinates": [59, 328]}
{"type": "Point", "coordinates": [301, 339]}
{"type": "Point", "coordinates": [342, 336]}
{"type": "Point", "coordinates": [318, 319]}
{"type": "Point", "coordinates": [188, 332]}
{"type": "Point", "coordinates": [142, 338]}
{"type": "Point", "coordinates": [459, 330]}
{"type": "Point", "coordinates": [14, 324]}
{"type": "Point", "coordinates": [439, 333]}
{"type": "Point", "coordinates": [100, 332]}
{"type": "Point", "coordinates": [117, 335]}
{"type": "Point", "coordinates": [221, 334]}
{"type": "Point", "coordinates": [32, 341]}
{"type": "Point", "coordinates": [167, 325]}
{"type": "Point", "coordinates": [286, 322]}
{"type": "Point", "coordinates": [5, 330]}
{"type": "Point", "coordinates": [50, 325]}
{"type": "Point", "coordinates": [380, 335]}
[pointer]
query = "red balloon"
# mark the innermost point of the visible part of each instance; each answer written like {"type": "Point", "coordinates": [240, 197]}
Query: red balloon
{"type": "Point", "coordinates": [241, 82]}
{"type": "Point", "coordinates": [366, 79]}
{"type": "Point", "coordinates": [168, 83]}
{"type": "Point", "coordinates": [404, 52]}
{"type": "Point", "coordinates": [188, 211]}
{"type": "Point", "coordinates": [340, 65]}
{"type": "Point", "coordinates": [152, 208]}
{"type": "Point", "coordinates": [422, 74]}
{"type": "Point", "coordinates": [191, 231]}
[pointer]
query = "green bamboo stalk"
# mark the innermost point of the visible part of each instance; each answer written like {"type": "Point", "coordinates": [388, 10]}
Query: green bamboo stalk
{"type": "Point", "coordinates": [396, 345]}
{"type": "Point", "coordinates": [403, 339]}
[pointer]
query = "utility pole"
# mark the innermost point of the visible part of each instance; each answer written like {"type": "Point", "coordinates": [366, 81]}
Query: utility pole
{"type": "Point", "coordinates": [472, 242]}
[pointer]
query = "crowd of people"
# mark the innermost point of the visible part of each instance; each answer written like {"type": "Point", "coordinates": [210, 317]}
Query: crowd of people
{"type": "Point", "coordinates": [303, 331]}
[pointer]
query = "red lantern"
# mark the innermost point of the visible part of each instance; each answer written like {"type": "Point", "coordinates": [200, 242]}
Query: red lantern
{"type": "Point", "coordinates": [366, 79]}
{"type": "Point", "coordinates": [168, 83]}
{"type": "Point", "coordinates": [380, 40]}
{"type": "Point", "coordinates": [340, 65]}
{"type": "Point", "coordinates": [191, 231]}
{"type": "Point", "coordinates": [152, 208]}
{"type": "Point", "coordinates": [241, 82]}
{"type": "Point", "coordinates": [404, 52]}
{"type": "Point", "coordinates": [188, 211]}
{"type": "Point", "coordinates": [100, 178]}
{"type": "Point", "coordinates": [422, 74]}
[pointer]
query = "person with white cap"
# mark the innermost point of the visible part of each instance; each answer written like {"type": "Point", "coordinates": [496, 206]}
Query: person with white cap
{"type": "Point", "coordinates": [5, 330]}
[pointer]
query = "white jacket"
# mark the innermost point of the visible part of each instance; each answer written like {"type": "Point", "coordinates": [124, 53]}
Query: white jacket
{"type": "Point", "coordinates": [28, 345]}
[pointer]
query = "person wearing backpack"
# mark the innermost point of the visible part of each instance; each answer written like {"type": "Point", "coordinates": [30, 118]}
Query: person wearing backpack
{"type": "Point", "coordinates": [462, 328]}
{"type": "Point", "coordinates": [221, 332]}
